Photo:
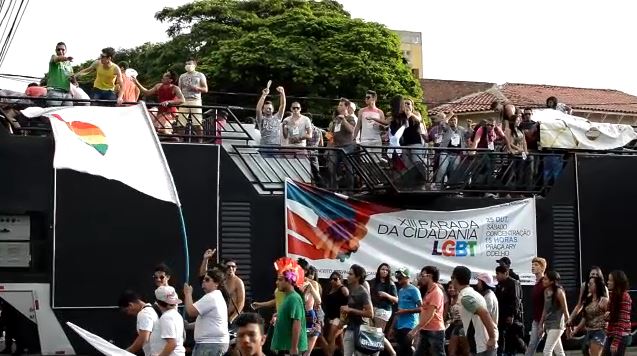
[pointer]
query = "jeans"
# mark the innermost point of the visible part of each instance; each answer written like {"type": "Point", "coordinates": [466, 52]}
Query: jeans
{"type": "Point", "coordinates": [621, 350]}
{"type": "Point", "coordinates": [534, 339]}
{"type": "Point", "coordinates": [209, 349]}
{"type": "Point", "coordinates": [337, 157]}
{"type": "Point", "coordinates": [58, 94]}
{"type": "Point", "coordinates": [99, 94]}
{"type": "Point", "coordinates": [404, 342]}
{"type": "Point", "coordinates": [554, 343]}
{"type": "Point", "coordinates": [552, 168]}
{"type": "Point", "coordinates": [349, 345]}
{"type": "Point", "coordinates": [432, 343]}
{"type": "Point", "coordinates": [447, 166]}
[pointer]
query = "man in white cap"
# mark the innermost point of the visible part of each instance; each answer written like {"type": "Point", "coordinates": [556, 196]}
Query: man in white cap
{"type": "Point", "coordinates": [170, 339]}
{"type": "Point", "coordinates": [486, 287]}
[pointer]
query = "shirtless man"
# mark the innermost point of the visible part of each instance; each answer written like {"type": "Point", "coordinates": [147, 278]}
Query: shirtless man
{"type": "Point", "coordinates": [236, 290]}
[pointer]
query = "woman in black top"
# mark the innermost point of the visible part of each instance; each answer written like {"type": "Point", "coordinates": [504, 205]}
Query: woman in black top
{"type": "Point", "coordinates": [384, 295]}
{"type": "Point", "coordinates": [335, 297]}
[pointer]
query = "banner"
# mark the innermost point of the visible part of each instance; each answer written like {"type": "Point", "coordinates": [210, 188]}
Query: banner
{"type": "Point", "coordinates": [560, 130]}
{"type": "Point", "coordinates": [334, 232]}
{"type": "Point", "coordinates": [97, 342]}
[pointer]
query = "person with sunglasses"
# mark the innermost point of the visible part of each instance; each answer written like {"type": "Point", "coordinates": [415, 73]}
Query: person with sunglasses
{"type": "Point", "coordinates": [59, 76]}
{"type": "Point", "coordinates": [297, 128]}
{"type": "Point", "coordinates": [107, 75]}
{"type": "Point", "coordinates": [212, 337]}
{"type": "Point", "coordinates": [236, 290]}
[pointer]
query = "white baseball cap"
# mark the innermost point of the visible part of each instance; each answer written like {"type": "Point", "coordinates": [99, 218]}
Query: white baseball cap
{"type": "Point", "coordinates": [352, 105]}
{"type": "Point", "coordinates": [167, 295]}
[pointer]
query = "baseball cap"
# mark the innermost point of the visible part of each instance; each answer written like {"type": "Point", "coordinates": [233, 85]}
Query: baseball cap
{"type": "Point", "coordinates": [402, 272]}
{"type": "Point", "coordinates": [167, 295]}
{"type": "Point", "coordinates": [352, 105]}
{"type": "Point", "coordinates": [487, 279]}
{"type": "Point", "coordinates": [504, 261]}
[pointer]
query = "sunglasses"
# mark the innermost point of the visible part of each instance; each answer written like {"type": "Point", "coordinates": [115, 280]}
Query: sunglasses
{"type": "Point", "coordinates": [60, 49]}
{"type": "Point", "coordinates": [231, 266]}
{"type": "Point", "coordinates": [296, 108]}
{"type": "Point", "coordinates": [161, 278]}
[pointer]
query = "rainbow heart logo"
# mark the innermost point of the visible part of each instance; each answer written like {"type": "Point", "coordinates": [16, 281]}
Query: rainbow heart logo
{"type": "Point", "coordinates": [88, 133]}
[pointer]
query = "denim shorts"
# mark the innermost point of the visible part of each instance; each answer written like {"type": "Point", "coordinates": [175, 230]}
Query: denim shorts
{"type": "Point", "coordinates": [596, 336]}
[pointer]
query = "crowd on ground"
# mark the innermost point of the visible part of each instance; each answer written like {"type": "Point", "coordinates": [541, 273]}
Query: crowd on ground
{"type": "Point", "coordinates": [395, 312]}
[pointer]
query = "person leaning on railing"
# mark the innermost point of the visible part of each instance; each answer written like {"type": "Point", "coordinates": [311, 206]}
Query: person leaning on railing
{"type": "Point", "coordinates": [169, 95]}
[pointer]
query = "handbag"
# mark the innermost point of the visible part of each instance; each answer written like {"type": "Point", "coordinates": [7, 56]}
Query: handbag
{"type": "Point", "coordinates": [369, 340]}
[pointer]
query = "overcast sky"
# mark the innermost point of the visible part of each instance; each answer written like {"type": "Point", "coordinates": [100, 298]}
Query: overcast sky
{"type": "Point", "coordinates": [585, 43]}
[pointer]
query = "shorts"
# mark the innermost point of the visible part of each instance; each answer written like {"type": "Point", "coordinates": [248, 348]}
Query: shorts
{"type": "Point", "coordinates": [597, 336]}
{"type": "Point", "coordinates": [312, 324]}
{"type": "Point", "coordinates": [382, 314]}
{"type": "Point", "coordinates": [195, 114]}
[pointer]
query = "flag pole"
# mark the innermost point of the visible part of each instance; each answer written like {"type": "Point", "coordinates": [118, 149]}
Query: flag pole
{"type": "Point", "coordinates": [182, 222]}
{"type": "Point", "coordinates": [184, 236]}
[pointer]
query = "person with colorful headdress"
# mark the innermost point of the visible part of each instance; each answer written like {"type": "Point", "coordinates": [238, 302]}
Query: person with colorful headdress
{"type": "Point", "coordinates": [289, 331]}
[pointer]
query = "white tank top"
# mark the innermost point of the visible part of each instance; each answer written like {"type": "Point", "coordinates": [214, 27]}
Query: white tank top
{"type": "Point", "coordinates": [370, 129]}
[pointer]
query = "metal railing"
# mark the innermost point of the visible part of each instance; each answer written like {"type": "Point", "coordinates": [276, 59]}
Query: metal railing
{"type": "Point", "coordinates": [328, 167]}
{"type": "Point", "coordinates": [403, 169]}
{"type": "Point", "coordinates": [181, 123]}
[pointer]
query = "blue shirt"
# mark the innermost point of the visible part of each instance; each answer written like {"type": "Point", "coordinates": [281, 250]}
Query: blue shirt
{"type": "Point", "coordinates": [408, 298]}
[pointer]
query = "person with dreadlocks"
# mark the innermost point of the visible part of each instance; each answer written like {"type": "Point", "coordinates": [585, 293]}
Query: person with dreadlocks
{"type": "Point", "coordinates": [290, 335]}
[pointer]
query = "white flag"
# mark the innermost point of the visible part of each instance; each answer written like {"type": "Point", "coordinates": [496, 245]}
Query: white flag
{"type": "Point", "coordinates": [116, 143]}
{"type": "Point", "coordinates": [97, 342]}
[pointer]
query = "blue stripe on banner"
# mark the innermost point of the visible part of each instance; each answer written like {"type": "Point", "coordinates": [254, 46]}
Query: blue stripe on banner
{"type": "Point", "coordinates": [325, 204]}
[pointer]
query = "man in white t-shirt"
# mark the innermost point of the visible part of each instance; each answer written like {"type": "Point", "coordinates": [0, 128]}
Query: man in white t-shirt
{"type": "Point", "coordinates": [211, 327]}
{"type": "Point", "coordinates": [474, 311]}
{"type": "Point", "coordinates": [147, 320]}
{"type": "Point", "coordinates": [170, 339]}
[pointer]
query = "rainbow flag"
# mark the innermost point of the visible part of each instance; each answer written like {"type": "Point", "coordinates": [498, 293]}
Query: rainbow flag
{"type": "Point", "coordinates": [116, 143]}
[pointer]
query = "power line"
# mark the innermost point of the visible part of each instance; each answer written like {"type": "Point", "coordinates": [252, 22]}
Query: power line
{"type": "Point", "coordinates": [14, 27]}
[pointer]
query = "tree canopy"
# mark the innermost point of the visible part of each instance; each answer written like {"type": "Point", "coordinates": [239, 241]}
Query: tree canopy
{"type": "Point", "coordinates": [312, 48]}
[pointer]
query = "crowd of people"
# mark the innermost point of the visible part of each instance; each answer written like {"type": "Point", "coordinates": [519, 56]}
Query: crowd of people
{"type": "Point", "coordinates": [433, 156]}
{"type": "Point", "coordinates": [395, 312]}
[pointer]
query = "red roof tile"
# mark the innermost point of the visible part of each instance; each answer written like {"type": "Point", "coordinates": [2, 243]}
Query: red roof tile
{"type": "Point", "coordinates": [602, 100]}
{"type": "Point", "coordinates": [438, 91]}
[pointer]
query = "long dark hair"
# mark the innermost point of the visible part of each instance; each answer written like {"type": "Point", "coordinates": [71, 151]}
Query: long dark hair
{"type": "Point", "coordinates": [555, 278]}
{"type": "Point", "coordinates": [600, 291]}
{"type": "Point", "coordinates": [378, 278]}
{"type": "Point", "coordinates": [620, 286]}
{"type": "Point", "coordinates": [359, 272]}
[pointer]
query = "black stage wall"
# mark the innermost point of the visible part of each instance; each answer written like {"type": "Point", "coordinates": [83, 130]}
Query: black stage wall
{"type": "Point", "coordinates": [109, 237]}
{"type": "Point", "coordinates": [607, 198]}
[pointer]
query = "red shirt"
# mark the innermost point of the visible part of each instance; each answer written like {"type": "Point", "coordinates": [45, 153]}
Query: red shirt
{"type": "Point", "coordinates": [537, 300]}
{"type": "Point", "coordinates": [621, 327]}
{"type": "Point", "coordinates": [35, 91]}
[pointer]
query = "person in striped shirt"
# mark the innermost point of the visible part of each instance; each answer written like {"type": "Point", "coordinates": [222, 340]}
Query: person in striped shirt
{"type": "Point", "coordinates": [618, 329]}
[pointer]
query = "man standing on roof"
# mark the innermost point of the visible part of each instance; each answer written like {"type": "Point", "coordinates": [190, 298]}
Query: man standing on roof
{"type": "Point", "coordinates": [268, 122]}
{"type": "Point", "coordinates": [107, 75]}
{"type": "Point", "coordinates": [59, 76]}
{"type": "Point", "coordinates": [192, 85]}
{"type": "Point", "coordinates": [369, 122]}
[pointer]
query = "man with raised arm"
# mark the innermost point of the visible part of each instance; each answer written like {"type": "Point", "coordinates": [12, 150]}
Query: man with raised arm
{"type": "Point", "coordinates": [268, 122]}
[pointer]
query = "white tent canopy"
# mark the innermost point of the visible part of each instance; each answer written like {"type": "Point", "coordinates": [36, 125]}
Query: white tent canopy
{"type": "Point", "coordinates": [559, 130]}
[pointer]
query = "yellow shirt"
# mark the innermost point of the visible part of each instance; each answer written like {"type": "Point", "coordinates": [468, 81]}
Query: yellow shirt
{"type": "Point", "coordinates": [278, 298]}
{"type": "Point", "coordinates": [105, 77]}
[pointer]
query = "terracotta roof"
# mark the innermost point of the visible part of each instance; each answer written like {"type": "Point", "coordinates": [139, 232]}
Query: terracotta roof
{"type": "Point", "coordinates": [602, 100]}
{"type": "Point", "coordinates": [439, 91]}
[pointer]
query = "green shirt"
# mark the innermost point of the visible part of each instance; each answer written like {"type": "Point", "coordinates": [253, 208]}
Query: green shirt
{"type": "Point", "coordinates": [59, 73]}
{"type": "Point", "coordinates": [290, 310]}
